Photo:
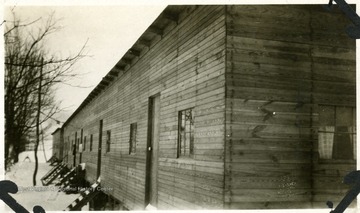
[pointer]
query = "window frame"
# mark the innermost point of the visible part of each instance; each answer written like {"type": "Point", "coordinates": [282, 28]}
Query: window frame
{"type": "Point", "coordinates": [78, 145]}
{"type": "Point", "coordinates": [91, 143]}
{"type": "Point", "coordinates": [133, 138]}
{"type": "Point", "coordinates": [328, 130]}
{"type": "Point", "coordinates": [84, 144]}
{"type": "Point", "coordinates": [108, 140]}
{"type": "Point", "coordinates": [181, 149]}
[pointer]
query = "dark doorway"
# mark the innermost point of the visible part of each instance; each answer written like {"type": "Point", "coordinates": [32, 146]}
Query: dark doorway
{"type": "Point", "coordinates": [99, 149]}
{"type": "Point", "coordinates": [81, 147]}
{"type": "Point", "coordinates": [151, 194]}
{"type": "Point", "coordinates": [75, 149]}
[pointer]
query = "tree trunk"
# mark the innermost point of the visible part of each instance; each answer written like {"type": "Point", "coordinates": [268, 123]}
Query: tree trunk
{"type": "Point", "coordinates": [9, 136]}
{"type": "Point", "coordinates": [16, 147]}
{"type": "Point", "coordinates": [6, 157]}
{"type": "Point", "coordinates": [38, 124]}
{"type": "Point", "coordinates": [43, 146]}
{"type": "Point", "coordinates": [16, 151]}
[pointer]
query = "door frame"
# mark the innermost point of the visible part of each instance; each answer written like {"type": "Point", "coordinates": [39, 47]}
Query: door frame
{"type": "Point", "coordinates": [75, 149]}
{"type": "Point", "coordinates": [81, 148]}
{"type": "Point", "coordinates": [98, 172]}
{"type": "Point", "coordinates": [149, 144]}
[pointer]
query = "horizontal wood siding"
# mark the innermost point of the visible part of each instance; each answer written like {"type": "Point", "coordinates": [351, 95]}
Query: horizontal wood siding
{"type": "Point", "coordinates": [57, 144]}
{"type": "Point", "coordinates": [187, 67]}
{"type": "Point", "coordinates": [282, 62]}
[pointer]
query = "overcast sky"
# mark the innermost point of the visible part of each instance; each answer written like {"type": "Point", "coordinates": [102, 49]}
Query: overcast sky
{"type": "Point", "coordinates": [109, 31]}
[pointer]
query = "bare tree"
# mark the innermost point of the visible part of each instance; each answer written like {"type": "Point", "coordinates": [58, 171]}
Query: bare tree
{"type": "Point", "coordinates": [31, 72]}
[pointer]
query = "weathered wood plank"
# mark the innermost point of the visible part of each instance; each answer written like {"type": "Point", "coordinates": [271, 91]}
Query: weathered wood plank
{"type": "Point", "coordinates": [269, 195]}
{"type": "Point", "coordinates": [270, 169]}
{"type": "Point", "coordinates": [276, 183]}
{"type": "Point", "coordinates": [294, 157]}
{"type": "Point", "coordinates": [273, 205]}
{"type": "Point", "coordinates": [265, 144]}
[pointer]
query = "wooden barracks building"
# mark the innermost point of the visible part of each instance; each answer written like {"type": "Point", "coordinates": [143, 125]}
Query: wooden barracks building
{"type": "Point", "coordinates": [224, 107]}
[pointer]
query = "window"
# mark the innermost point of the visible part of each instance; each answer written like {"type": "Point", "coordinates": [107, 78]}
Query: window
{"type": "Point", "coordinates": [186, 133]}
{"type": "Point", "coordinates": [337, 134]}
{"type": "Point", "coordinates": [66, 150]}
{"type": "Point", "coordinates": [108, 140]}
{"type": "Point", "coordinates": [132, 141]}
{"type": "Point", "coordinates": [73, 147]}
{"type": "Point", "coordinates": [91, 143]}
{"type": "Point", "coordinates": [80, 145]}
{"type": "Point", "coordinates": [84, 145]}
{"type": "Point", "coordinates": [68, 144]}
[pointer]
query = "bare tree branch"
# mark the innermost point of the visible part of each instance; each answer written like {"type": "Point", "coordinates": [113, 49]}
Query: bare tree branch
{"type": "Point", "coordinates": [31, 72]}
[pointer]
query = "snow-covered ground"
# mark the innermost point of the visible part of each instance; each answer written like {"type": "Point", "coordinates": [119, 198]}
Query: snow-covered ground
{"type": "Point", "coordinates": [28, 196]}
{"type": "Point", "coordinates": [28, 156]}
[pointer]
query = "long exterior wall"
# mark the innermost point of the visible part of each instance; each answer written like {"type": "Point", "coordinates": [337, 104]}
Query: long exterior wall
{"type": "Point", "coordinates": [282, 64]}
{"type": "Point", "coordinates": [186, 66]}
{"type": "Point", "coordinates": [56, 146]}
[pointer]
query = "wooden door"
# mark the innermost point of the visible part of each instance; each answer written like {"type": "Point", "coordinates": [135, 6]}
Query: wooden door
{"type": "Point", "coordinates": [99, 149]}
{"type": "Point", "coordinates": [75, 149]}
{"type": "Point", "coordinates": [152, 151]}
{"type": "Point", "coordinates": [62, 144]}
{"type": "Point", "coordinates": [81, 146]}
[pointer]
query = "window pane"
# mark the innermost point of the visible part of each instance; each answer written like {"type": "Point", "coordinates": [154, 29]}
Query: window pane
{"type": "Point", "coordinates": [84, 147]}
{"type": "Point", "coordinates": [326, 141]}
{"type": "Point", "coordinates": [132, 141]}
{"type": "Point", "coordinates": [192, 141]}
{"type": "Point", "coordinates": [354, 145]}
{"type": "Point", "coordinates": [344, 116]}
{"type": "Point", "coordinates": [91, 142]}
{"type": "Point", "coordinates": [327, 116]}
{"type": "Point", "coordinates": [354, 119]}
{"type": "Point", "coordinates": [108, 140]}
{"type": "Point", "coordinates": [343, 147]}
